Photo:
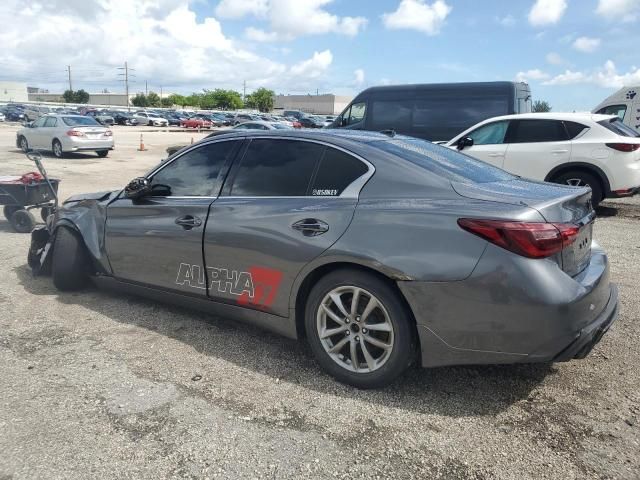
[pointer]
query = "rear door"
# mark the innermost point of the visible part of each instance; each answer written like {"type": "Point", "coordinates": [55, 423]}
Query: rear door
{"type": "Point", "coordinates": [488, 143]}
{"type": "Point", "coordinates": [285, 202]}
{"type": "Point", "coordinates": [535, 147]}
{"type": "Point", "coordinates": [157, 240]}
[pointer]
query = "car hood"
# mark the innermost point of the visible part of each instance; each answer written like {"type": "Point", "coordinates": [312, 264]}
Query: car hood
{"type": "Point", "coordinates": [97, 196]}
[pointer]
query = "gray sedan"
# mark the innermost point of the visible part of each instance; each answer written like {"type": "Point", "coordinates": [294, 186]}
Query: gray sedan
{"type": "Point", "coordinates": [381, 251]}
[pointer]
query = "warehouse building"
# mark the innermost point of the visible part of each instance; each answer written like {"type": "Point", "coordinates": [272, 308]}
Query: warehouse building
{"type": "Point", "coordinates": [108, 99]}
{"type": "Point", "coordinates": [325, 104]}
{"type": "Point", "coordinates": [13, 92]}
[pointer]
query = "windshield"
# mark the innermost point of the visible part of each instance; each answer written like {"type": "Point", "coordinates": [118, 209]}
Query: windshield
{"type": "Point", "coordinates": [79, 121]}
{"type": "Point", "coordinates": [442, 161]}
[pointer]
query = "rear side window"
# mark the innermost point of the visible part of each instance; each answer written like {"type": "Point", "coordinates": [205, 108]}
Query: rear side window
{"type": "Point", "coordinates": [443, 162]}
{"type": "Point", "coordinates": [619, 128]}
{"type": "Point", "coordinates": [194, 174]}
{"type": "Point", "coordinates": [276, 168]}
{"type": "Point", "coordinates": [337, 171]}
{"type": "Point", "coordinates": [574, 129]}
{"type": "Point", "coordinates": [536, 131]}
{"type": "Point", "coordinates": [619, 110]}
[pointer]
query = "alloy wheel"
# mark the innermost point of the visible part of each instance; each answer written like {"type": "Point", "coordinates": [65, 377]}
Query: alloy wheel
{"type": "Point", "coordinates": [355, 329]}
{"type": "Point", "coordinates": [576, 182]}
{"type": "Point", "coordinates": [57, 149]}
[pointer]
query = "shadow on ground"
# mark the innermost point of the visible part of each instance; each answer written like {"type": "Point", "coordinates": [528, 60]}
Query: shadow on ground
{"type": "Point", "coordinates": [452, 391]}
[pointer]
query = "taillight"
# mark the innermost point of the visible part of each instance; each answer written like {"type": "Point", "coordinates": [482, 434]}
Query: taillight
{"type": "Point", "coordinates": [532, 240]}
{"type": "Point", "coordinates": [624, 147]}
{"type": "Point", "coordinates": [108, 133]}
{"type": "Point", "coordinates": [74, 133]}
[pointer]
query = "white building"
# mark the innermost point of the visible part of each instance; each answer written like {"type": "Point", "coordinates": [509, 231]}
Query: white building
{"type": "Point", "coordinates": [326, 104]}
{"type": "Point", "coordinates": [13, 92]}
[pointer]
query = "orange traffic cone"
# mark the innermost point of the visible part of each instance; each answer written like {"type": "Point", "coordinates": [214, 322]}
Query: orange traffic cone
{"type": "Point", "coordinates": [141, 149]}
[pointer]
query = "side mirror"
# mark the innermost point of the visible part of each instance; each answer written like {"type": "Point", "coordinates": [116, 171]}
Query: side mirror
{"type": "Point", "coordinates": [29, 124]}
{"type": "Point", "coordinates": [138, 187]}
{"type": "Point", "coordinates": [343, 122]}
{"type": "Point", "coordinates": [465, 142]}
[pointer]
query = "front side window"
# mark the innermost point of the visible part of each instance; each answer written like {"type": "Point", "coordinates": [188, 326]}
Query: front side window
{"type": "Point", "coordinates": [194, 174]}
{"type": "Point", "coordinates": [276, 168]}
{"type": "Point", "coordinates": [39, 122]}
{"type": "Point", "coordinates": [356, 114]}
{"type": "Point", "coordinates": [619, 110]}
{"type": "Point", "coordinates": [536, 131]}
{"type": "Point", "coordinates": [490, 134]}
{"type": "Point", "coordinates": [50, 122]}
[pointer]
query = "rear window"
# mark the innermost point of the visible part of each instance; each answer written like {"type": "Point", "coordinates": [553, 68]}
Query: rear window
{"type": "Point", "coordinates": [619, 128]}
{"type": "Point", "coordinates": [76, 121]}
{"type": "Point", "coordinates": [443, 162]}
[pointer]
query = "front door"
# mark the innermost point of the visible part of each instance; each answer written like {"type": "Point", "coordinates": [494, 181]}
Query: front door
{"type": "Point", "coordinates": [285, 202]}
{"type": "Point", "coordinates": [488, 143]}
{"type": "Point", "coordinates": [35, 134]}
{"type": "Point", "coordinates": [157, 240]}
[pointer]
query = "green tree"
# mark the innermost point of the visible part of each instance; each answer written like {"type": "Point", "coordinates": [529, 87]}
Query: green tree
{"type": "Point", "coordinates": [175, 99]}
{"type": "Point", "coordinates": [82, 96]}
{"type": "Point", "coordinates": [166, 102]}
{"type": "Point", "coordinates": [540, 106]}
{"type": "Point", "coordinates": [79, 96]}
{"type": "Point", "coordinates": [192, 100]}
{"type": "Point", "coordinates": [68, 96]}
{"type": "Point", "coordinates": [220, 98]}
{"type": "Point", "coordinates": [153, 99]}
{"type": "Point", "coordinates": [140, 100]}
{"type": "Point", "coordinates": [262, 99]}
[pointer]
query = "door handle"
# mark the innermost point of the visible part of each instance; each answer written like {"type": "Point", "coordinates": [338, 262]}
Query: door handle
{"type": "Point", "coordinates": [310, 227]}
{"type": "Point", "coordinates": [559, 151]}
{"type": "Point", "coordinates": [188, 222]}
{"type": "Point", "coordinates": [496, 155]}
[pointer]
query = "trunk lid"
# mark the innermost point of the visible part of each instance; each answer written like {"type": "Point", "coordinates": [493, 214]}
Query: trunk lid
{"type": "Point", "coordinates": [555, 203]}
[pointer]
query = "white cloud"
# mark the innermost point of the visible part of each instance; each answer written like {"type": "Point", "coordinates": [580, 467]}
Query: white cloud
{"type": "Point", "coordinates": [358, 77]}
{"type": "Point", "coordinates": [162, 39]}
{"type": "Point", "coordinates": [289, 19]}
{"type": "Point", "coordinates": [626, 10]}
{"type": "Point", "coordinates": [418, 15]}
{"type": "Point", "coordinates": [506, 21]}
{"type": "Point", "coordinates": [586, 44]}
{"type": "Point", "coordinates": [241, 8]}
{"type": "Point", "coordinates": [606, 76]}
{"type": "Point", "coordinates": [313, 67]}
{"type": "Point", "coordinates": [547, 12]}
{"type": "Point", "coordinates": [534, 74]}
{"type": "Point", "coordinates": [554, 58]}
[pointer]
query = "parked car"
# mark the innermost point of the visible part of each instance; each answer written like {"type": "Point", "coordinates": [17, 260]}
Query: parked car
{"type": "Point", "coordinates": [103, 118]}
{"type": "Point", "coordinates": [296, 114]}
{"type": "Point", "coordinates": [13, 114]}
{"type": "Point", "coordinates": [310, 122]}
{"type": "Point", "coordinates": [625, 103]}
{"type": "Point", "coordinates": [66, 133]}
{"type": "Point", "coordinates": [598, 151]}
{"type": "Point", "coordinates": [150, 119]}
{"type": "Point", "coordinates": [172, 118]}
{"type": "Point", "coordinates": [196, 122]}
{"type": "Point", "coordinates": [34, 112]}
{"type": "Point", "coordinates": [260, 125]}
{"type": "Point", "coordinates": [245, 117]}
{"type": "Point", "coordinates": [436, 112]}
{"type": "Point", "coordinates": [375, 282]}
{"type": "Point", "coordinates": [123, 118]}
{"type": "Point", "coordinates": [2, 117]}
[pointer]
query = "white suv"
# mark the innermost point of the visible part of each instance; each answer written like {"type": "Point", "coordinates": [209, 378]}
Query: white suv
{"type": "Point", "coordinates": [577, 149]}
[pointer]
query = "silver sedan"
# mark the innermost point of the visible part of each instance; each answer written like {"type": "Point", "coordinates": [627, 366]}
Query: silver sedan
{"type": "Point", "coordinates": [65, 133]}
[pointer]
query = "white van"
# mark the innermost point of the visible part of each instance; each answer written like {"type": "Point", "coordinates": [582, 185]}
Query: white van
{"type": "Point", "coordinates": [625, 103]}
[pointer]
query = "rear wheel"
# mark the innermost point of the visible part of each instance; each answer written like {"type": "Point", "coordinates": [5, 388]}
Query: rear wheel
{"type": "Point", "coordinates": [23, 221]}
{"type": "Point", "coordinates": [70, 269]}
{"type": "Point", "coordinates": [24, 144]}
{"type": "Point", "coordinates": [102, 153]}
{"type": "Point", "coordinates": [358, 329]}
{"type": "Point", "coordinates": [9, 210]}
{"type": "Point", "coordinates": [579, 178]}
{"type": "Point", "coordinates": [56, 146]}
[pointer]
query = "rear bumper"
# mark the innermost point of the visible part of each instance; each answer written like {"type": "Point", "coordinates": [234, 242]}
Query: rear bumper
{"type": "Point", "coordinates": [513, 310]}
{"type": "Point", "coordinates": [71, 144]}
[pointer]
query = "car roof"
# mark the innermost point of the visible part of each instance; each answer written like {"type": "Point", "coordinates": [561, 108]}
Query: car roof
{"type": "Point", "coordinates": [329, 135]}
{"type": "Point", "coordinates": [572, 116]}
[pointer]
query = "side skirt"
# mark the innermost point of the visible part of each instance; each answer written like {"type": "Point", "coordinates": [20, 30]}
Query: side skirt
{"type": "Point", "coordinates": [274, 323]}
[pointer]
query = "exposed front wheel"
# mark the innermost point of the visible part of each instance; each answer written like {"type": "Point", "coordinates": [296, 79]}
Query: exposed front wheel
{"type": "Point", "coordinates": [358, 329]}
{"type": "Point", "coordinates": [24, 144]}
{"type": "Point", "coordinates": [583, 179]}
{"type": "Point", "coordinates": [22, 221]}
{"type": "Point", "coordinates": [56, 146]}
{"type": "Point", "coordinates": [9, 210]}
{"type": "Point", "coordinates": [70, 268]}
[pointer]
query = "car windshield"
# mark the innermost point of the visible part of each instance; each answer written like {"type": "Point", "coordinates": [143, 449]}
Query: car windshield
{"type": "Point", "coordinates": [619, 128]}
{"type": "Point", "coordinates": [79, 121]}
{"type": "Point", "coordinates": [442, 161]}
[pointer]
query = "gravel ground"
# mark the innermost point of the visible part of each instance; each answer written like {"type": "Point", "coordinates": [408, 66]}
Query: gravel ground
{"type": "Point", "coordinates": [95, 385]}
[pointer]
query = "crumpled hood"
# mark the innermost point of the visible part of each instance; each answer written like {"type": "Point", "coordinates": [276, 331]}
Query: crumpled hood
{"type": "Point", "coordinates": [97, 196]}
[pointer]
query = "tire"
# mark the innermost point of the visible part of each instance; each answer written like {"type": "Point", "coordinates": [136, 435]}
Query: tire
{"type": "Point", "coordinates": [24, 144]}
{"type": "Point", "coordinates": [150, 124]}
{"type": "Point", "coordinates": [579, 178]}
{"type": "Point", "coordinates": [56, 147]}
{"type": "Point", "coordinates": [394, 328]}
{"type": "Point", "coordinates": [23, 221]}
{"type": "Point", "coordinates": [102, 153]}
{"type": "Point", "coordinates": [70, 268]}
{"type": "Point", "coordinates": [9, 210]}
{"type": "Point", "coordinates": [45, 212]}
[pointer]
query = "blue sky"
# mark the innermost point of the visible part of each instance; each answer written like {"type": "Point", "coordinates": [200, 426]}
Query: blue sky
{"type": "Point", "coordinates": [572, 52]}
